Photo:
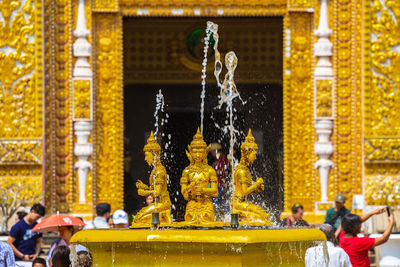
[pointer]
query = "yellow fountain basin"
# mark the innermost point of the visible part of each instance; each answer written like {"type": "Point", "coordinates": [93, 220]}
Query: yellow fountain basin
{"type": "Point", "coordinates": [198, 247]}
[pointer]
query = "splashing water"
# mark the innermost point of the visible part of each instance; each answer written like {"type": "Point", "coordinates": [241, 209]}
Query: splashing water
{"type": "Point", "coordinates": [204, 75]}
{"type": "Point", "coordinates": [160, 104]}
{"type": "Point", "coordinates": [228, 92]}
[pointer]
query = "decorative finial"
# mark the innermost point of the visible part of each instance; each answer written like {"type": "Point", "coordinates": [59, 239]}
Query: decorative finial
{"type": "Point", "coordinates": [152, 145]}
{"type": "Point", "coordinates": [198, 141]}
{"type": "Point", "coordinates": [249, 143]}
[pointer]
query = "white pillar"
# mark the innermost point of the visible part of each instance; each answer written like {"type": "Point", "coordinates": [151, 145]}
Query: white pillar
{"type": "Point", "coordinates": [323, 124]}
{"type": "Point", "coordinates": [82, 71]}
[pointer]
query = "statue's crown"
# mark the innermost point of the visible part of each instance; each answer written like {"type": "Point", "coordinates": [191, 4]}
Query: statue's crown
{"type": "Point", "coordinates": [249, 143]}
{"type": "Point", "coordinates": [198, 141]}
{"type": "Point", "coordinates": [152, 145]}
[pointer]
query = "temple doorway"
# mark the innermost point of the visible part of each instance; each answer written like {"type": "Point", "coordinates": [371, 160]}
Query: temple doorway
{"type": "Point", "coordinates": [166, 54]}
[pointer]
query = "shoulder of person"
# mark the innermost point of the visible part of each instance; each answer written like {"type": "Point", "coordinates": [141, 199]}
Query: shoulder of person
{"type": "Point", "coordinates": [16, 228]}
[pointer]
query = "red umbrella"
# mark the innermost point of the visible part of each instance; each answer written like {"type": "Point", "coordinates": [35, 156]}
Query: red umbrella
{"type": "Point", "coordinates": [52, 223]}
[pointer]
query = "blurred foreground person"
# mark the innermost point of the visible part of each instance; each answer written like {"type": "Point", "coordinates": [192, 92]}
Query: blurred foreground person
{"type": "Point", "coordinates": [83, 259]}
{"type": "Point", "coordinates": [357, 247]}
{"type": "Point", "coordinates": [60, 257]}
{"type": "Point", "coordinates": [337, 257]}
{"type": "Point", "coordinates": [39, 262]}
{"type": "Point", "coordinates": [103, 211]}
{"type": "Point", "coordinates": [66, 233]}
{"type": "Point", "coordinates": [334, 215]}
{"type": "Point", "coordinates": [6, 255]}
{"type": "Point", "coordinates": [296, 219]}
{"type": "Point", "coordinates": [120, 219]}
{"type": "Point", "coordinates": [25, 243]}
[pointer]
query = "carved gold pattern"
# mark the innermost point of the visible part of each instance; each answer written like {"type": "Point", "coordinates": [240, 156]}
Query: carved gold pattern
{"type": "Point", "coordinates": [299, 113]}
{"type": "Point", "coordinates": [82, 99]}
{"type": "Point", "coordinates": [21, 93]}
{"type": "Point", "coordinates": [382, 183]}
{"type": "Point", "coordinates": [109, 108]}
{"type": "Point", "coordinates": [300, 4]}
{"type": "Point", "coordinates": [204, 7]}
{"type": "Point", "coordinates": [324, 98]}
{"type": "Point", "coordinates": [21, 152]}
{"type": "Point", "coordinates": [346, 176]}
{"type": "Point", "coordinates": [21, 87]}
{"type": "Point", "coordinates": [105, 5]}
{"type": "Point", "coordinates": [59, 139]}
{"type": "Point", "coordinates": [382, 99]}
{"type": "Point", "coordinates": [30, 179]}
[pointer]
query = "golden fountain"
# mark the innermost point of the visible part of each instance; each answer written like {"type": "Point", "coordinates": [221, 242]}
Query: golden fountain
{"type": "Point", "coordinates": [250, 241]}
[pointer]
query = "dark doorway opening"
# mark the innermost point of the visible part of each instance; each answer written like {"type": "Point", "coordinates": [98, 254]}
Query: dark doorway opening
{"type": "Point", "coordinates": [263, 113]}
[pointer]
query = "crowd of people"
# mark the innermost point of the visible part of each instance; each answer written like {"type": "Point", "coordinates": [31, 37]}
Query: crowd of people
{"type": "Point", "coordinates": [345, 246]}
{"type": "Point", "coordinates": [24, 246]}
{"type": "Point", "coordinates": [342, 229]}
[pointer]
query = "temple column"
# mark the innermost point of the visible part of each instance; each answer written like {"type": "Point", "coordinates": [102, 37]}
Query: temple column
{"type": "Point", "coordinates": [323, 105]}
{"type": "Point", "coordinates": [82, 84]}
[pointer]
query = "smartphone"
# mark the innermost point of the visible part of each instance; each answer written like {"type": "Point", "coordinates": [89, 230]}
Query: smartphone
{"type": "Point", "coordinates": [388, 211]}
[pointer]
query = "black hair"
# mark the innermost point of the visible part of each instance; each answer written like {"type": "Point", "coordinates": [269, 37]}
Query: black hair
{"type": "Point", "coordinates": [351, 224]}
{"type": "Point", "coordinates": [39, 209]}
{"type": "Point", "coordinates": [296, 207]}
{"type": "Point", "coordinates": [328, 230]}
{"type": "Point", "coordinates": [60, 257]}
{"type": "Point", "coordinates": [21, 214]}
{"type": "Point", "coordinates": [83, 259]}
{"type": "Point", "coordinates": [39, 261]}
{"type": "Point", "coordinates": [102, 208]}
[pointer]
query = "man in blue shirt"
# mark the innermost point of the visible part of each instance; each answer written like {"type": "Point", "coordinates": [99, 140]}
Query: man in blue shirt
{"type": "Point", "coordinates": [25, 243]}
{"type": "Point", "coordinates": [334, 215]}
{"type": "Point", "coordinates": [6, 255]}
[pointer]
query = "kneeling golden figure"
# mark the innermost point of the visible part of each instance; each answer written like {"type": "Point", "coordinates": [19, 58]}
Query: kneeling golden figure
{"type": "Point", "coordinates": [249, 214]}
{"type": "Point", "coordinates": [157, 188]}
{"type": "Point", "coordinates": [199, 184]}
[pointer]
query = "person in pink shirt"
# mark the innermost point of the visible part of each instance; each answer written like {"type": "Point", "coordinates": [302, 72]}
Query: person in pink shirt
{"type": "Point", "coordinates": [357, 247]}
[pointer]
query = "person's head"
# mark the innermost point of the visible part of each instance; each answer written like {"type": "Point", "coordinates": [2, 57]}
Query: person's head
{"type": "Point", "coordinates": [339, 201]}
{"type": "Point", "coordinates": [83, 259]}
{"type": "Point", "coordinates": [103, 210]}
{"type": "Point", "coordinates": [60, 257]}
{"type": "Point", "coordinates": [214, 150]}
{"type": "Point", "coordinates": [66, 233]}
{"type": "Point", "coordinates": [297, 211]}
{"type": "Point", "coordinates": [351, 224]}
{"type": "Point", "coordinates": [37, 211]}
{"type": "Point", "coordinates": [39, 262]}
{"type": "Point", "coordinates": [110, 221]}
{"type": "Point", "coordinates": [21, 214]}
{"type": "Point", "coordinates": [329, 232]}
{"type": "Point", "coordinates": [120, 219]}
{"type": "Point", "coordinates": [149, 200]}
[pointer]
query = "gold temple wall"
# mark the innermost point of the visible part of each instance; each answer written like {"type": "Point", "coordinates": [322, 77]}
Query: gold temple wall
{"type": "Point", "coordinates": [108, 140]}
{"type": "Point", "coordinates": [59, 179]}
{"type": "Point", "coordinates": [366, 102]}
{"type": "Point", "coordinates": [382, 102]}
{"type": "Point", "coordinates": [21, 96]}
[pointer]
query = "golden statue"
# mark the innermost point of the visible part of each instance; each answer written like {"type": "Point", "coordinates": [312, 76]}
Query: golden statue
{"type": "Point", "coordinates": [249, 214]}
{"type": "Point", "coordinates": [199, 183]}
{"type": "Point", "coordinates": [157, 188]}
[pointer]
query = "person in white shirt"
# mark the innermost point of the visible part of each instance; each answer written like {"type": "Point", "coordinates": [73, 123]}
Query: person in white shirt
{"type": "Point", "coordinates": [120, 219]}
{"type": "Point", "coordinates": [336, 257]}
{"type": "Point", "coordinates": [103, 211]}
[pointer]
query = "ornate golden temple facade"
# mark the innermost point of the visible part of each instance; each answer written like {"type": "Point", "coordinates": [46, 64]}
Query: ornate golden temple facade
{"type": "Point", "coordinates": [42, 100]}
